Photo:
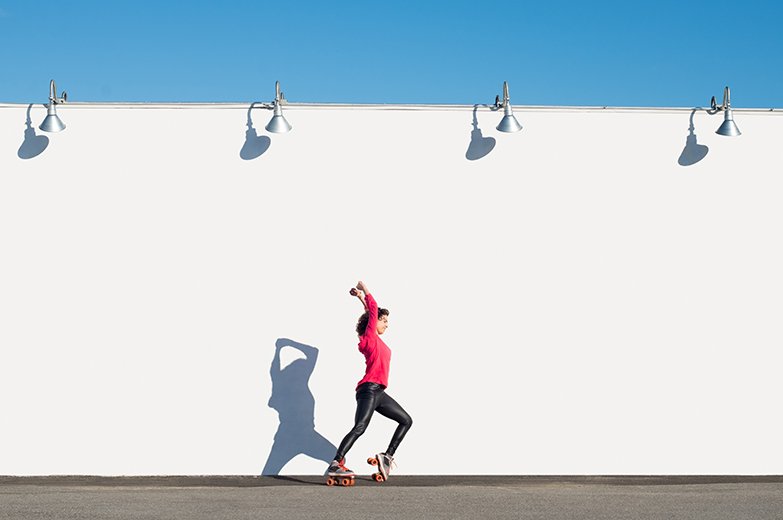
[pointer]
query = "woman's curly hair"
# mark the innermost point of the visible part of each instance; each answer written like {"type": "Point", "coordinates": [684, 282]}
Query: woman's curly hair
{"type": "Point", "coordinates": [361, 325]}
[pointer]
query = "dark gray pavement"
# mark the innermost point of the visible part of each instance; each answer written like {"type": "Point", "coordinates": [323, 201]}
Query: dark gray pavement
{"type": "Point", "coordinates": [236, 498]}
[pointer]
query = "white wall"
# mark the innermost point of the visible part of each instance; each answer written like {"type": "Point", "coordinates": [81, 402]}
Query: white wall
{"type": "Point", "coordinates": [574, 302]}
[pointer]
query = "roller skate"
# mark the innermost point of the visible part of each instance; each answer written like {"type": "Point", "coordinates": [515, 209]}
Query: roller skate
{"type": "Point", "coordinates": [384, 463]}
{"type": "Point", "coordinates": [339, 475]}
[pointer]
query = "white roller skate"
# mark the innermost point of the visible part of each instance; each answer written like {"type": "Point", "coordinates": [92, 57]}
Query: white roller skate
{"type": "Point", "coordinates": [384, 463]}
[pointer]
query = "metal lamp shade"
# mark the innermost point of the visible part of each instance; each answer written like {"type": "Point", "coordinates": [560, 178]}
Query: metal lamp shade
{"type": "Point", "coordinates": [52, 123]}
{"type": "Point", "coordinates": [509, 123]}
{"type": "Point", "coordinates": [278, 124]}
{"type": "Point", "coordinates": [729, 127]}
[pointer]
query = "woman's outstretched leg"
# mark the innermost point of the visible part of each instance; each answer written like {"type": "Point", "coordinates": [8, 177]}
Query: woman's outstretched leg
{"type": "Point", "coordinates": [365, 406]}
{"type": "Point", "coordinates": [366, 401]}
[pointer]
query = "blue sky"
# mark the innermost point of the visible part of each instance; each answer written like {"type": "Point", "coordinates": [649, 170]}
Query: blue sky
{"type": "Point", "coordinates": [560, 52]}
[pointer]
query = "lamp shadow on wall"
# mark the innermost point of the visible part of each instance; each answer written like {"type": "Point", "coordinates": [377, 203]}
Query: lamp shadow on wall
{"type": "Point", "coordinates": [693, 151]}
{"type": "Point", "coordinates": [479, 146]}
{"type": "Point", "coordinates": [33, 145]}
{"type": "Point", "coordinates": [254, 145]}
{"type": "Point", "coordinates": [295, 405]}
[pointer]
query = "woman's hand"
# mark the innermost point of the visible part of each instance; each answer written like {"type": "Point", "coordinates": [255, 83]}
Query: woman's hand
{"type": "Point", "coordinates": [359, 294]}
{"type": "Point", "coordinates": [360, 285]}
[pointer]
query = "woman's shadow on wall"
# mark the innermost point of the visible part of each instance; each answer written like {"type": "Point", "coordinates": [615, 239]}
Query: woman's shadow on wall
{"type": "Point", "coordinates": [295, 405]}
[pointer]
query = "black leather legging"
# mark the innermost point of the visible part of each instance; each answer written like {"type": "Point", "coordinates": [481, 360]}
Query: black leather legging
{"type": "Point", "coordinates": [371, 397]}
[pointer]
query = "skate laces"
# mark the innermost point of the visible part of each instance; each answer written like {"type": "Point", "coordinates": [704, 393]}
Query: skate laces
{"type": "Point", "coordinates": [391, 464]}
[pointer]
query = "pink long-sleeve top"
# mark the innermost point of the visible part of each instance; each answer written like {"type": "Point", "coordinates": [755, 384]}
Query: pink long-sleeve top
{"type": "Point", "coordinates": [376, 354]}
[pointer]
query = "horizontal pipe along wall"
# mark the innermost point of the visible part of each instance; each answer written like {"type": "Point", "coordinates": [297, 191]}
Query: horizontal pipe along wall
{"type": "Point", "coordinates": [597, 294]}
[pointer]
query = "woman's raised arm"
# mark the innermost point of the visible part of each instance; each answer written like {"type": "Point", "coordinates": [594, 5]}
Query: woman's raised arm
{"type": "Point", "coordinates": [359, 294]}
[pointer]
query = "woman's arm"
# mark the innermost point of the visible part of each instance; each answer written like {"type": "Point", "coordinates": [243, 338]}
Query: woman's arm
{"type": "Point", "coordinates": [362, 287]}
{"type": "Point", "coordinates": [360, 295]}
{"type": "Point", "coordinates": [371, 306]}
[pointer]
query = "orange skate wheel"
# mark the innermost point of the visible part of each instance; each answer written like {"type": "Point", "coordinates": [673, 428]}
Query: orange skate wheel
{"type": "Point", "coordinates": [345, 482]}
{"type": "Point", "coordinates": [330, 481]}
{"type": "Point", "coordinates": [378, 477]}
{"type": "Point", "coordinates": [372, 461]}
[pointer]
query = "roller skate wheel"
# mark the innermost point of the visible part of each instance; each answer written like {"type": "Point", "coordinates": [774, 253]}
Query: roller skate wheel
{"type": "Point", "coordinates": [330, 482]}
{"type": "Point", "coordinates": [345, 482]}
{"type": "Point", "coordinates": [372, 461]}
{"type": "Point", "coordinates": [378, 477]}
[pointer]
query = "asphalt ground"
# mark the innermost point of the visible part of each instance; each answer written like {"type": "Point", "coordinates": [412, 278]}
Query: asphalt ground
{"type": "Point", "coordinates": [237, 498]}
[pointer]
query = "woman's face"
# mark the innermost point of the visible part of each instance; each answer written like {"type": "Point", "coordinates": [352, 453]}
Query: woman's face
{"type": "Point", "coordinates": [383, 322]}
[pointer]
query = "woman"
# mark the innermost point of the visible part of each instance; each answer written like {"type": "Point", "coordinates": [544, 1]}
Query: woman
{"type": "Point", "coordinates": [371, 393]}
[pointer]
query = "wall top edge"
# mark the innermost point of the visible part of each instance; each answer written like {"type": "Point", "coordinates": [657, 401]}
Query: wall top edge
{"type": "Point", "coordinates": [390, 107]}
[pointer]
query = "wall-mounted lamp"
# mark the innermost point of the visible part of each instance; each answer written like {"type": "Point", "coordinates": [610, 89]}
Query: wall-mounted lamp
{"type": "Point", "coordinates": [52, 123]}
{"type": "Point", "coordinates": [278, 123]}
{"type": "Point", "coordinates": [509, 123]}
{"type": "Point", "coordinates": [729, 127]}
